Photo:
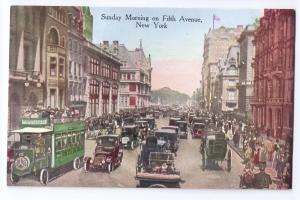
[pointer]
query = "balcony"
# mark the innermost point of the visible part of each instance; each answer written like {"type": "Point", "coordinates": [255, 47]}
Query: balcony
{"type": "Point", "coordinates": [56, 49]}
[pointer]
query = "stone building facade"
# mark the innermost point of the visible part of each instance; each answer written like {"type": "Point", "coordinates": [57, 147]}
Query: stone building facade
{"type": "Point", "coordinates": [273, 100]}
{"type": "Point", "coordinates": [76, 70]}
{"type": "Point", "coordinates": [53, 63]}
{"type": "Point", "coordinates": [216, 44]}
{"type": "Point", "coordinates": [228, 79]}
{"type": "Point", "coordinates": [26, 72]}
{"type": "Point", "coordinates": [135, 78]}
{"type": "Point", "coordinates": [103, 78]}
{"type": "Point", "coordinates": [245, 85]}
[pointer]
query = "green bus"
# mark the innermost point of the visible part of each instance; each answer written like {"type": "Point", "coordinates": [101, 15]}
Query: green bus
{"type": "Point", "coordinates": [47, 148]}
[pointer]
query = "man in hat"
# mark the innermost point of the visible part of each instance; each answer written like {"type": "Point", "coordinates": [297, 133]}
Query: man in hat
{"type": "Point", "coordinates": [262, 179]}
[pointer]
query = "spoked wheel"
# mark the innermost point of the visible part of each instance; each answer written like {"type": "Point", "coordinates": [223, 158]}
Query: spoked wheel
{"type": "Point", "coordinates": [76, 163]}
{"type": "Point", "coordinates": [44, 176]}
{"type": "Point", "coordinates": [229, 161]}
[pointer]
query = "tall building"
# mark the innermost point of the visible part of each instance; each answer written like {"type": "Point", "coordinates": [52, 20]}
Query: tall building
{"type": "Point", "coordinates": [26, 61]}
{"type": "Point", "coordinates": [228, 79]}
{"type": "Point", "coordinates": [76, 71]}
{"type": "Point", "coordinates": [245, 85]}
{"type": "Point", "coordinates": [216, 44]}
{"type": "Point", "coordinates": [53, 63]}
{"type": "Point", "coordinates": [103, 78]}
{"type": "Point", "coordinates": [273, 100]}
{"type": "Point", "coordinates": [135, 82]}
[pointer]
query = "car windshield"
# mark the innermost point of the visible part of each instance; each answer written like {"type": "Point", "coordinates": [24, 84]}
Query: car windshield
{"type": "Point", "coordinates": [199, 126]}
{"type": "Point", "coordinates": [106, 141]}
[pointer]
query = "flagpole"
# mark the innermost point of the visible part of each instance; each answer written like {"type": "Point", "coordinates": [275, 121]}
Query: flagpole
{"type": "Point", "coordinates": [213, 22]}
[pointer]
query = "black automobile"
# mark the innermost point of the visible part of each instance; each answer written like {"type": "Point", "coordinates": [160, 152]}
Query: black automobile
{"type": "Point", "coordinates": [151, 122]}
{"type": "Point", "coordinates": [170, 137]}
{"type": "Point", "coordinates": [130, 136]}
{"type": "Point", "coordinates": [183, 125]}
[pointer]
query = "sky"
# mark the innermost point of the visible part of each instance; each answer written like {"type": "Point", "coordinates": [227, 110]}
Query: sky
{"type": "Point", "coordinates": [176, 51]}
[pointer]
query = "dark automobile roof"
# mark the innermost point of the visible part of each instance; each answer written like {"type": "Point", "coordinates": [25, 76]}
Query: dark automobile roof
{"type": "Point", "coordinates": [181, 122]}
{"type": "Point", "coordinates": [171, 131]}
{"type": "Point", "coordinates": [169, 127]}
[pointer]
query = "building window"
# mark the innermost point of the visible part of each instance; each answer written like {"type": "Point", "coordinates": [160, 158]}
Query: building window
{"type": "Point", "coordinates": [61, 67]}
{"type": "Point", "coordinates": [231, 95]}
{"type": "Point", "coordinates": [53, 37]}
{"type": "Point", "coordinates": [133, 76]}
{"type": "Point", "coordinates": [128, 76]}
{"type": "Point", "coordinates": [53, 98]}
{"type": "Point", "coordinates": [70, 44]}
{"type": "Point", "coordinates": [94, 97]}
{"type": "Point", "coordinates": [70, 67]}
{"type": "Point", "coordinates": [231, 83]}
{"type": "Point", "coordinates": [53, 64]}
{"type": "Point", "coordinates": [132, 87]}
{"type": "Point", "coordinates": [132, 101]}
{"type": "Point", "coordinates": [26, 57]}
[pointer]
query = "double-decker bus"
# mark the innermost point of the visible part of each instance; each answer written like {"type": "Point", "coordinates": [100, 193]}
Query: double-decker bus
{"type": "Point", "coordinates": [47, 148]}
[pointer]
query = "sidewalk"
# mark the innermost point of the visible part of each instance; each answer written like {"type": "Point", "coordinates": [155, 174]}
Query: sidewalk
{"type": "Point", "coordinates": [269, 169]}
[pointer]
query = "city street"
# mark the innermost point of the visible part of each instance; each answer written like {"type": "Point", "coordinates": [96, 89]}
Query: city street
{"type": "Point", "coordinates": [188, 161]}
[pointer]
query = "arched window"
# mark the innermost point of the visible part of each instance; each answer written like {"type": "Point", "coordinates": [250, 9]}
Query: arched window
{"type": "Point", "coordinates": [53, 37]}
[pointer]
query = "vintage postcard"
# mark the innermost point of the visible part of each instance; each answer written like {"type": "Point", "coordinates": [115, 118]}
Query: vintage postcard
{"type": "Point", "coordinates": [151, 97]}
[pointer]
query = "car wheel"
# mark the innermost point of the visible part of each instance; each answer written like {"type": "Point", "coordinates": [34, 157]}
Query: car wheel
{"type": "Point", "coordinates": [132, 145]}
{"type": "Point", "coordinates": [44, 176]}
{"type": "Point", "coordinates": [76, 163]}
{"type": "Point", "coordinates": [229, 161]}
{"type": "Point", "coordinates": [157, 186]}
{"type": "Point", "coordinates": [13, 178]}
{"type": "Point", "coordinates": [109, 168]}
{"type": "Point", "coordinates": [87, 165]}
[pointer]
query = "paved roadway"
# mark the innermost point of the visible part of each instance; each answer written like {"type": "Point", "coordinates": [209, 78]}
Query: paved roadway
{"type": "Point", "coordinates": [188, 161]}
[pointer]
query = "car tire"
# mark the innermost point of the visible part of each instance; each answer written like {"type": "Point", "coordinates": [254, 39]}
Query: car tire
{"type": "Point", "coordinates": [87, 165]}
{"type": "Point", "coordinates": [229, 161]}
{"type": "Point", "coordinates": [44, 176]}
{"type": "Point", "coordinates": [157, 186]}
{"type": "Point", "coordinates": [132, 145]}
{"type": "Point", "coordinates": [76, 163]}
{"type": "Point", "coordinates": [109, 168]}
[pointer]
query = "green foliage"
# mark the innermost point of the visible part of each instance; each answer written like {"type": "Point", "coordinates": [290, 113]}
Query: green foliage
{"type": "Point", "coordinates": [256, 22]}
{"type": "Point", "coordinates": [168, 96]}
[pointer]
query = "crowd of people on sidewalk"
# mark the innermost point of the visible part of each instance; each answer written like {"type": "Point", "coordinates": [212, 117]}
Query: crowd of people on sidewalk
{"type": "Point", "coordinates": [260, 149]}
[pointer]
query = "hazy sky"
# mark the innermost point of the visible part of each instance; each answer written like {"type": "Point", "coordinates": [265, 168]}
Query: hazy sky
{"type": "Point", "coordinates": [176, 51]}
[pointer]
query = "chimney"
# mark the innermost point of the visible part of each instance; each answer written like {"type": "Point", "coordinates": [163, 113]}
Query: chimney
{"type": "Point", "coordinates": [240, 27]}
{"type": "Point", "coordinates": [116, 47]}
{"type": "Point", "coordinates": [116, 43]}
{"type": "Point", "coordinates": [105, 44]}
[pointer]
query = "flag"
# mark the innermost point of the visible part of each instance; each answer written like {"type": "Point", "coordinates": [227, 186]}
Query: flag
{"type": "Point", "coordinates": [216, 18]}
